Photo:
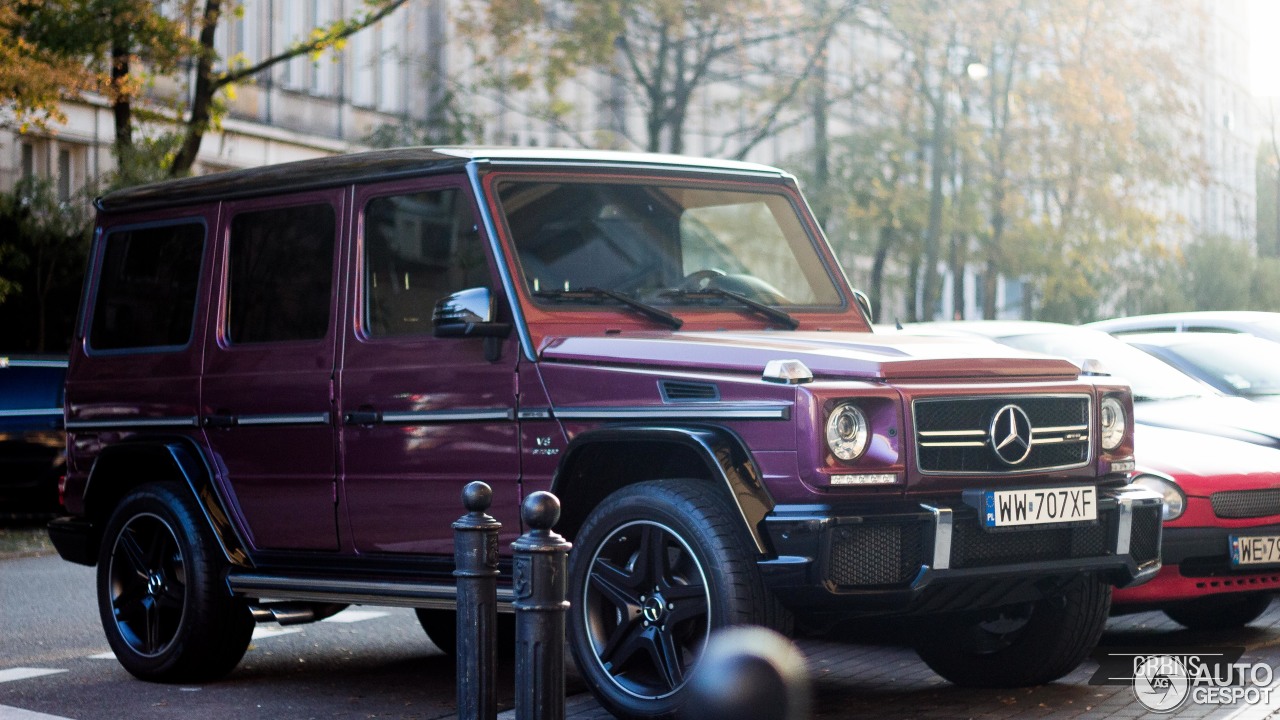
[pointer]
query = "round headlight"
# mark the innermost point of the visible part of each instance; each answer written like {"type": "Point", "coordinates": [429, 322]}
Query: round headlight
{"type": "Point", "coordinates": [847, 432]}
{"type": "Point", "coordinates": [1113, 423]}
{"type": "Point", "coordinates": [1175, 503]}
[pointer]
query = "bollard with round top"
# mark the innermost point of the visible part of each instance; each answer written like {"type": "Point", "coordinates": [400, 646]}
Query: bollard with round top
{"type": "Point", "coordinates": [475, 558]}
{"type": "Point", "coordinates": [539, 589]}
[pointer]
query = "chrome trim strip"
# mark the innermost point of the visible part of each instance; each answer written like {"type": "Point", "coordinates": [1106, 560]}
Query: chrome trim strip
{"type": "Point", "coordinates": [705, 412]}
{"type": "Point", "coordinates": [943, 522]}
{"type": "Point", "coordinates": [535, 414]}
{"type": "Point", "coordinates": [31, 411]}
{"type": "Point", "coordinates": [428, 417]}
{"type": "Point", "coordinates": [126, 423]}
{"type": "Point", "coordinates": [953, 444]}
{"type": "Point", "coordinates": [284, 419]}
{"type": "Point", "coordinates": [401, 594]}
{"type": "Point", "coordinates": [957, 433]}
{"type": "Point", "coordinates": [1062, 429]}
{"type": "Point", "coordinates": [1124, 526]}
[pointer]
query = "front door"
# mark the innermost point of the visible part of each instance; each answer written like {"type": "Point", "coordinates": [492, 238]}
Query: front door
{"type": "Point", "coordinates": [421, 416]}
{"type": "Point", "coordinates": [267, 399]}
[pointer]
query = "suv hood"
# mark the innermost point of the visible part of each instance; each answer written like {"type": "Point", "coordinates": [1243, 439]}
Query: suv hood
{"type": "Point", "coordinates": [829, 355]}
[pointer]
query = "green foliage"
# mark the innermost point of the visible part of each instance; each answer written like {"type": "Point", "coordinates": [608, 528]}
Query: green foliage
{"type": "Point", "coordinates": [43, 246]}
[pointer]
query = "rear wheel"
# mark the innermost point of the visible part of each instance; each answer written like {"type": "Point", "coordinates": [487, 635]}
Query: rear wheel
{"type": "Point", "coordinates": [1019, 645]}
{"type": "Point", "coordinates": [654, 570]}
{"type": "Point", "coordinates": [166, 613]}
{"type": "Point", "coordinates": [1219, 612]}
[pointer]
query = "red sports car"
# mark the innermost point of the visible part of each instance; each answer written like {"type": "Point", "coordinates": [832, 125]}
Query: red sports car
{"type": "Point", "coordinates": [1222, 528]}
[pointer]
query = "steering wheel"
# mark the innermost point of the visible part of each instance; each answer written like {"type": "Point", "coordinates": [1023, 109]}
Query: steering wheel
{"type": "Point", "coordinates": [699, 279]}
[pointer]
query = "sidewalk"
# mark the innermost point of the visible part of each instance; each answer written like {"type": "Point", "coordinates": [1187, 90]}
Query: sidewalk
{"type": "Point", "coordinates": [877, 679]}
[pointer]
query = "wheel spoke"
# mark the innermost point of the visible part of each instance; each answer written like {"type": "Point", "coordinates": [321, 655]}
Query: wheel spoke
{"type": "Point", "coordinates": [133, 552]}
{"type": "Point", "coordinates": [623, 644]}
{"type": "Point", "coordinates": [129, 599]}
{"type": "Point", "coordinates": [616, 584]}
{"type": "Point", "coordinates": [667, 658]}
{"type": "Point", "coordinates": [651, 562]}
{"type": "Point", "coordinates": [691, 607]}
{"type": "Point", "coordinates": [152, 637]}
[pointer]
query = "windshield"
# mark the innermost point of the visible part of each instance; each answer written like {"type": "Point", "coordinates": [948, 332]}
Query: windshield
{"type": "Point", "coordinates": [1249, 365]}
{"type": "Point", "coordinates": [663, 244]}
{"type": "Point", "coordinates": [1151, 379]}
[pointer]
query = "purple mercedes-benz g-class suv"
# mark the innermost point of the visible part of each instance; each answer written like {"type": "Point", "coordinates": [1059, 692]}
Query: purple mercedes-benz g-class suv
{"type": "Point", "coordinates": [283, 377]}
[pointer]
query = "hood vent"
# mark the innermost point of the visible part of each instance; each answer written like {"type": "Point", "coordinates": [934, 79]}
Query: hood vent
{"type": "Point", "coordinates": [677, 391]}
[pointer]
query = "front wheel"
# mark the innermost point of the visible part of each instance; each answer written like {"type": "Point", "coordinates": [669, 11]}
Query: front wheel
{"type": "Point", "coordinates": [654, 570]}
{"type": "Point", "coordinates": [166, 613]}
{"type": "Point", "coordinates": [1019, 645]}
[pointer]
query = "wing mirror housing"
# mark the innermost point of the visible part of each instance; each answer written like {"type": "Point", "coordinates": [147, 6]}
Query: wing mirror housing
{"type": "Point", "coordinates": [468, 313]}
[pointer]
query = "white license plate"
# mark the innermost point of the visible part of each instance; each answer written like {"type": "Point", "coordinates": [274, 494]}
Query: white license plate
{"type": "Point", "coordinates": [1254, 550]}
{"type": "Point", "coordinates": [1043, 506]}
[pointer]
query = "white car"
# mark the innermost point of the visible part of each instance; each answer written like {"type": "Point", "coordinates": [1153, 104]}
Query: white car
{"type": "Point", "coordinates": [1249, 322]}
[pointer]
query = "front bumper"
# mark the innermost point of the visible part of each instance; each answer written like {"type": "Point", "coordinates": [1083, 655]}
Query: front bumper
{"type": "Point", "coordinates": [1197, 562]}
{"type": "Point", "coordinates": [938, 558]}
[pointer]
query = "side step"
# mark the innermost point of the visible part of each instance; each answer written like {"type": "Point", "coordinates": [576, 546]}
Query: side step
{"type": "Point", "coordinates": [395, 593]}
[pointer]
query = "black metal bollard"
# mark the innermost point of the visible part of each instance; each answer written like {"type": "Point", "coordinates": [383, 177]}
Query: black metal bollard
{"type": "Point", "coordinates": [475, 558]}
{"type": "Point", "coordinates": [539, 586]}
{"type": "Point", "coordinates": [749, 673]}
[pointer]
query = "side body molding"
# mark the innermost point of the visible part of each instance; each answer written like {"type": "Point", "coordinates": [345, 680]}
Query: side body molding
{"type": "Point", "coordinates": [720, 451]}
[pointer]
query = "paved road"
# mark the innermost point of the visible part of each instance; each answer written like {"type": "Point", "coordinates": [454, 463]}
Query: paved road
{"type": "Point", "coordinates": [377, 663]}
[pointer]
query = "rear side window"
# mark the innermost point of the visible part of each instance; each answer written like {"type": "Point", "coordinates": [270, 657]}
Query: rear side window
{"type": "Point", "coordinates": [281, 274]}
{"type": "Point", "coordinates": [147, 287]}
{"type": "Point", "coordinates": [418, 248]}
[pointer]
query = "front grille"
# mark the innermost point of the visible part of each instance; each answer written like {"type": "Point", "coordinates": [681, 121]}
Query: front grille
{"type": "Point", "coordinates": [1246, 503]}
{"type": "Point", "coordinates": [875, 554]}
{"type": "Point", "coordinates": [971, 546]}
{"type": "Point", "coordinates": [953, 435]}
{"type": "Point", "coordinates": [1144, 538]}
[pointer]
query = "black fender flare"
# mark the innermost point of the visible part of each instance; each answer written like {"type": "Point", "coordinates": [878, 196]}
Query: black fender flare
{"type": "Point", "coordinates": [723, 453]}
{"type": "Point", "coordinates": [183, 459]}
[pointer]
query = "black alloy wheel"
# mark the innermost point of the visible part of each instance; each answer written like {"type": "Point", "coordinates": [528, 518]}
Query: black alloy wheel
{"type": "Point", "coordinates": [165, 607]}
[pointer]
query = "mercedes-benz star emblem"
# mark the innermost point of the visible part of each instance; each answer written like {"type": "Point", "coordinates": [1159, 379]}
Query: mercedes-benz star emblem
{"type": "Point", "coordinates": [1011, 434]}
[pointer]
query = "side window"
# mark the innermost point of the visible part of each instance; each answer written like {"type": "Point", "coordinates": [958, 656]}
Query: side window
{"type": "Point", "coordinates": [418, 248]}
{"type": "Point", "coordinates": [281, 274]}
{"type": "Point", "coordinates": [147, 287]}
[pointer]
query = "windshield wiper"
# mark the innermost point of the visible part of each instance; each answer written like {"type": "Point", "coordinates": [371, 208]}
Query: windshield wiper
{"type": "Point", "coordinates": [780, 317]}
{"type": "Point", "coordinates": [649, 311]}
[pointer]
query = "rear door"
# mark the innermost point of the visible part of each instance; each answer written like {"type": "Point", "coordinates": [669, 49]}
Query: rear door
{"type": "Point", "coordinates": [267, 403]}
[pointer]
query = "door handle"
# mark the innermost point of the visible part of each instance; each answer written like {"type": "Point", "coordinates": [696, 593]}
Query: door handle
{"type": "Point", "coordinates": [362, 417]}
{"type": "Point", "coordinates": [219, 421]}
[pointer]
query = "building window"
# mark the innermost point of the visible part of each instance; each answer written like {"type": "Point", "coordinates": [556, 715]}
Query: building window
{"type": "Point", "coordinates": [28, 161]}
{"type": "Point", "coordinates": [64, 175]}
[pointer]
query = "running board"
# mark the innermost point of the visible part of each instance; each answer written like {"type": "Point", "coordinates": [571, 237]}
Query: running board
{"type": "Point", "coordinates": [395, 593]}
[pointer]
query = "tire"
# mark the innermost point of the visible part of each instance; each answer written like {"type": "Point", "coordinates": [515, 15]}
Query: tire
{"type": "Point", "coordinates": [441, 627]}
{"type": "Point", "coordinates": [166, 611]}
{"type": "Point", "coordinates": [1021, 645]}
{"type": "Point", "coordinates": [654, 570]}
{"type": "Point", "coordinates": [1219, 612]}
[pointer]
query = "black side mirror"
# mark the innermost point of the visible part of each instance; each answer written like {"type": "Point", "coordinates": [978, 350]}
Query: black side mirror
{"type": "Point", "coordinates": [468, 313]}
